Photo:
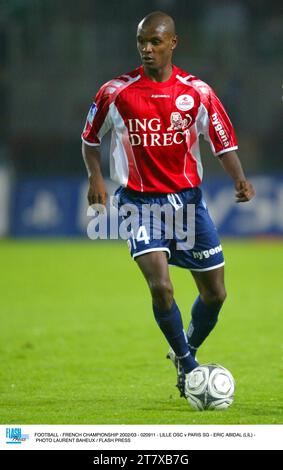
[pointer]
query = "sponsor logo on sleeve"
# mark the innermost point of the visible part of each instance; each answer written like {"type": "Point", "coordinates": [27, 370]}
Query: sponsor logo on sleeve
{"type": "Point", "coordinates": [219, 129]}
{"type": "Point", "coordinates": [91, 113]}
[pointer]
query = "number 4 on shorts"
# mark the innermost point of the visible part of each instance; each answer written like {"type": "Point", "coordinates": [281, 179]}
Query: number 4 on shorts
{"type": "Point", "coordinates": [142, 235]}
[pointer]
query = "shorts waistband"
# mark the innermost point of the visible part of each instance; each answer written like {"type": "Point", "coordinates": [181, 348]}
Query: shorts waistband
{"type": "Point", "coordinates": [134, 193]}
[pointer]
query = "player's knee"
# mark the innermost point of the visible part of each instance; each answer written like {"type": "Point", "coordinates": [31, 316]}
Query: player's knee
{"type": "Point", "coordinates": [215, 297]}
{"type": "Point", "coordinates": [162, 294]}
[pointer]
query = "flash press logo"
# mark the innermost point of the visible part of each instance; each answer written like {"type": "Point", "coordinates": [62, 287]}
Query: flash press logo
{"type": "Point", "coordinates": [15, 436]}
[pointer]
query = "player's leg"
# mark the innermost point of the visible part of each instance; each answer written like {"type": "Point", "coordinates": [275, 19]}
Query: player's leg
{"type": "Point", "coordinates": [154, 267]}
{"type": "Point", "coordinates": [206, 263]}
{"type": "Point", "coordinates": [206, 308]}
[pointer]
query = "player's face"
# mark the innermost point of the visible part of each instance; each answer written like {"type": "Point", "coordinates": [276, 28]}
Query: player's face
{"type": "Point", "coordinates": [155, 46]}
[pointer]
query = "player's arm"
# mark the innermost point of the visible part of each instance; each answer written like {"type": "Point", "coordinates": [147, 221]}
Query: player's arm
{"type": "Point", "coordinates": [97, 192]}
{"type": "Point", "coordinates": [97, 124]}
{"type": "Point", "coordinates": [218, 131]}
{"type": "Point", "coordinates": [232, 165]}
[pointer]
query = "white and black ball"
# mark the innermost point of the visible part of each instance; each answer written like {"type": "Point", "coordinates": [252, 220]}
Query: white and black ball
{"type": "Point", "coordinates": [210, 387]}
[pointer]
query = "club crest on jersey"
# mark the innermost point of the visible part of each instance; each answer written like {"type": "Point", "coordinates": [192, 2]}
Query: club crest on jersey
{"type": "Point", "coordinates": [178, 123]}
{"type": "Point", "coordinates": [185, 102]}
{"type": "Point", "coordinates": [91, 113]}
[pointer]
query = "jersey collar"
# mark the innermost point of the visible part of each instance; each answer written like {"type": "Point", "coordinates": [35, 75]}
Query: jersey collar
{"type": "Point", "coordinates": [159, 85]}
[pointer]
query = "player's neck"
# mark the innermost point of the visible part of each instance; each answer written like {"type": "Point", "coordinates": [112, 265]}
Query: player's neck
{"type": "Point", "coordinates": [159, 75]}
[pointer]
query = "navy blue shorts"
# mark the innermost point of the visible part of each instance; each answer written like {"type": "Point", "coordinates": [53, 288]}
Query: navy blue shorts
{"type": "Point", "coordinates": [204, 254]}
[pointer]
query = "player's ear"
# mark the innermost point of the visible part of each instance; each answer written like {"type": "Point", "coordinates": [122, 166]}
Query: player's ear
{"type": "Point", "coordinates": [174, 42]}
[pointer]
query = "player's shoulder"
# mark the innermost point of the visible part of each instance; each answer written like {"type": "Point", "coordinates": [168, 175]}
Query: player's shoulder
{"type": "Point", "coordinates": [201, 87]}
{"type": "Point", "coordinates": [113, 87]}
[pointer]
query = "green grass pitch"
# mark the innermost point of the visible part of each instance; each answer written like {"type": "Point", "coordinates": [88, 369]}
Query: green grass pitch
{"type": "Point", "coordinates": [79, 343]}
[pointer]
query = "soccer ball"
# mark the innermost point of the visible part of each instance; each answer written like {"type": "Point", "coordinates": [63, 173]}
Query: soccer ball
{"type": "Point", "coordinates": [210, 387]}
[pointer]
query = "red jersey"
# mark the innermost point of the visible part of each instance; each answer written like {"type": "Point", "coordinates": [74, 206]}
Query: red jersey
{"type": "Point", "coordinates": [156, 127]}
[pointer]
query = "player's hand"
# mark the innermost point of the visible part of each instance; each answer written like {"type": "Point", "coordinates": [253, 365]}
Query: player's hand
{"type": "Point", "coordinates": [244, 191]}
{"type": "Point", "coordinates": [97, 191]}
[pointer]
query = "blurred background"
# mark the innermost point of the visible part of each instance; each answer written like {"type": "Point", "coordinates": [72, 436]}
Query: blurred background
{"type": "Point", "coordinates": [55, 55]}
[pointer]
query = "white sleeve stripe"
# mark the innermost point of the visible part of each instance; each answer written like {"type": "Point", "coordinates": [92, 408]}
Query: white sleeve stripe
{"type": "Point", "coordinates": [88, 143]}
{"type": "Point", "coordinates": [226, 150]}
{"type": "Point", "coordinates": [203, 125]}
{"type": "Point", "coordinates": [106, 125]}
